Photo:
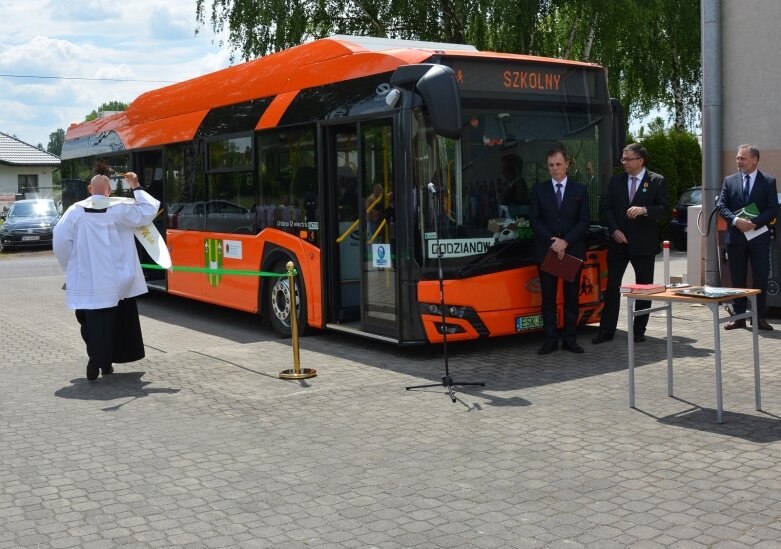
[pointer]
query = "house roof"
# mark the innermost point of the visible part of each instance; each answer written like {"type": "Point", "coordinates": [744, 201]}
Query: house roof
{"type": "Point", "coordinates": [18, 153]}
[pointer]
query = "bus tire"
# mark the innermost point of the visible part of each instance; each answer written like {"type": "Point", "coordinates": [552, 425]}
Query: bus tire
{"type": "Point", "coordinates": [278, 299]}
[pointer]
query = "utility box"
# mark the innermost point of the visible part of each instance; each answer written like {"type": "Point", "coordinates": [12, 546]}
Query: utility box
{"type": "Point", "coordinates": [774, 276]}
{"type": "Point", "coordinates": [695, 248]}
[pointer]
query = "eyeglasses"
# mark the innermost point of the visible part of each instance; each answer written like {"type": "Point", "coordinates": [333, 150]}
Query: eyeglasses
{"type": "Point", "coordinates": [626, 159]}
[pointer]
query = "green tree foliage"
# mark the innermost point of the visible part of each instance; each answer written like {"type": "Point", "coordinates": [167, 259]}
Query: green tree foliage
{"type": "Point", "coordinates": [650, 48]}
{"type": "Point", "coordinates": [678, 157]}
{"type": "Point", "coordinates": [56, 139]}
{"type": "Point", "coordinates": [110, 106]}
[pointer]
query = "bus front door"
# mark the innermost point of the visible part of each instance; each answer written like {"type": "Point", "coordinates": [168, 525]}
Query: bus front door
{"type": "Point", "coordinates": [362, 266]}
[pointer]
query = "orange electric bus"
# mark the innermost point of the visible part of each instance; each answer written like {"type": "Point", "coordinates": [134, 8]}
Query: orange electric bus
{"type": "Point", "coordinates": [323, 154]}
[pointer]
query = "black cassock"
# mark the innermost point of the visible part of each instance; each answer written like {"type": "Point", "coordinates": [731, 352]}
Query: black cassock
{"type": "Point", "coordinates": [112, 334]}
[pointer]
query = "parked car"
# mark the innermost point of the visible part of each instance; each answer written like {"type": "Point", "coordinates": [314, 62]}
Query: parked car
{"type": "Point", "coordinates": [690, 197]}
{"type": "Point", "coordinates": [29, 223]}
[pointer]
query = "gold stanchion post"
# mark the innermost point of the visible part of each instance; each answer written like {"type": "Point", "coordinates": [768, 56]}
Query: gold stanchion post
{"type": "Point", "coordinates": [297, 372]}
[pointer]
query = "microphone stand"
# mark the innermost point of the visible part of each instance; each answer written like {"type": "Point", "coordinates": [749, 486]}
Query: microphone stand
{"type": "Point", "coordinates": [447, 381]}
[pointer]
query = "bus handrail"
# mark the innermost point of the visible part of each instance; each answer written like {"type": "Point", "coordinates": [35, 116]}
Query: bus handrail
{"type": "Point", "coordinates": [373, 204]}
{"type": "Point", "coordinates": [350, 229]}
{"type": "Point", "coordinates": [377, 232]}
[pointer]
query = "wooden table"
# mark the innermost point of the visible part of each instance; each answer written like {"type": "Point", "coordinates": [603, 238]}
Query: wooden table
{"type": "Point", "coordinates": [669, 297]}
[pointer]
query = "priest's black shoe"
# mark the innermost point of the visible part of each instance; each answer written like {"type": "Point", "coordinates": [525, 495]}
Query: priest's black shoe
{"type": "Point", "coordinates": [735, 324]}
{"type": "Point", "coordinates": [92, 371]}
{"type": "Point", "coordinates": [639, 338]}
{"type": "Point", "coordinates": [601, 338]}
{"type": "Point", "coordinates": [572, 347]}
{"type": "Point", "coordinates": [548, 347]}
{"type": "Point", "coordinates": [108, 371]}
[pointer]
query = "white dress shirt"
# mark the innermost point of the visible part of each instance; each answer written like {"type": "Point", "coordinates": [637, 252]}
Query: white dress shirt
{"type": "Point", "coordinates": [97, 251]}
{"type": "Point", "coordinates": [563, 183]}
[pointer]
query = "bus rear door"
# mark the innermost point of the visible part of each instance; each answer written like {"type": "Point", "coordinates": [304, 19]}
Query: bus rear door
{"type": "Point", "coordinates": [359, 262]}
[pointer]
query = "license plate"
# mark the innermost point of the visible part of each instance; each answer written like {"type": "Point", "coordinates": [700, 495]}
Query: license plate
{"type": "Point", "coordinates": [531, 322]}
{"type": "Point", "coordinates": [31, 237]}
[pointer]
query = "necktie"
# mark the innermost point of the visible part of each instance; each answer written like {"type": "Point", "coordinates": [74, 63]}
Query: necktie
{"type": "Point", "coordinates": [633, 190]}
{"type": "Point", "coordinates": [746, 189]}
{"type": "Point", "coordinates": [558, 195]}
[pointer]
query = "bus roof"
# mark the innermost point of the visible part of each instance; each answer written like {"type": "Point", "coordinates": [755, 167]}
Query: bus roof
{"type": "Point", "coordinates": [173, 113]}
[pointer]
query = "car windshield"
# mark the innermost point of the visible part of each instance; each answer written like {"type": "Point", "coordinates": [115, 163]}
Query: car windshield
{"type": "Point", "coordinates": [33, 209]}
{"type": "Point", "coordinates": [692, 197]}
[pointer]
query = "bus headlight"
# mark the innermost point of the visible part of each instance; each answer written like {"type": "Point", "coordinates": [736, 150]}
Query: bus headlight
{"type": "Point", "coordinates": [454, 311]}
{"type": "Point", "coordinates": [457, 312]}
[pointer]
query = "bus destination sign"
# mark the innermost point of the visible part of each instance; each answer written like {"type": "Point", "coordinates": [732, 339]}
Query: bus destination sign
{"type": "Point", "coordinates": [538, 80]}
{"type": "Point", "coordinates": [546, 81]}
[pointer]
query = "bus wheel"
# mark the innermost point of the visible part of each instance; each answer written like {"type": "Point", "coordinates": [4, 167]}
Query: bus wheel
{"type": "Point", "coordinates": [280, 305]}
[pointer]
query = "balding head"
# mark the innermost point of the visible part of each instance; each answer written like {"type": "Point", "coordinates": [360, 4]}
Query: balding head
{"type": "Point", "coordinates": [100, 185]}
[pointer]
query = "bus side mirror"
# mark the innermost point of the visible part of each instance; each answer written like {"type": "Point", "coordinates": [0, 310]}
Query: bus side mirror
{"type": "Point", "coordinates": [437, 85]}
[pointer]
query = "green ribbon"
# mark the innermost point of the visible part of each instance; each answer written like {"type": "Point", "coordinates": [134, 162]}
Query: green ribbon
{"type": "Point", "coordinates": [211, 271]}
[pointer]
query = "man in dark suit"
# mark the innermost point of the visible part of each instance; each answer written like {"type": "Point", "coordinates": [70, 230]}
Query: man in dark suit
{"type": "Point", "coordinates": [748, 186]}
{"type": "Point", "coordinates": [630, 209]}
{"type": "Point", "coordinates": [559, 218]}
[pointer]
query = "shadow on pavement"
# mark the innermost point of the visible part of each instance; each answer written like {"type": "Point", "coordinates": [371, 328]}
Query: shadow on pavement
{"type": "Point", "coordinates": [113, 387]}
{"type": "Point", "coordinates": [762, 428]}
{"type": "Point", "coordinates": [231, 324]}
{"type": "Point", "coordinates": [513, 364]}
{"type": "Point", "coordinates": [504, 364]}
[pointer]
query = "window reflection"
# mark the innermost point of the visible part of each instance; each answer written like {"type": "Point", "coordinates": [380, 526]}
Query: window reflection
{"type": "Point", "coordinates": [288, 199]}
{"type": "Point", "coordinates": [230, 153]}
{"type": "Point", "coordinates": [484, 180]}
{"type": "Point", "coordinates": [185, 191]}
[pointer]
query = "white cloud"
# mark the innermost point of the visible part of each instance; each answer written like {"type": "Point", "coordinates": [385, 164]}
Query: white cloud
{"type": "Point", "coordinates": [215, 61]}
{"type": "Point", "coordinates": [165, 25]}
{"type": "Point", "coordinates": [39, 53]}
{"type": "Point", "coordinates": [91, 10]}
{"type": "Point", "coordinates": [141, 41]}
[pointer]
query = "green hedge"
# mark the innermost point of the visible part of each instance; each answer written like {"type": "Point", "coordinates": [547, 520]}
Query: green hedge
{"type": "Point", "coordinates": [678, 157]}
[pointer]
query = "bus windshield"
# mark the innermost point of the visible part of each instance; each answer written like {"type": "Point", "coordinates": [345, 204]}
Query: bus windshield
{"type": "Point", "coordinates": [485, 180]}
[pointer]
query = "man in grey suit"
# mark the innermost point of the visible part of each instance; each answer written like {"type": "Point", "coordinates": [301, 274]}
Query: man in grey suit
{"type": "Point", "coordinates": [748, 186]}
{"type": "Point", "coordinates": [630, 209]}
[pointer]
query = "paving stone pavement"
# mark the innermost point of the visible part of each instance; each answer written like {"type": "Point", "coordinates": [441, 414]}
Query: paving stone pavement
{"type": "Point", "coordinates": [201, 445]}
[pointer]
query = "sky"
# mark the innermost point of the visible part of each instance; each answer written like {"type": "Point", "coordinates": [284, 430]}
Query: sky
{"type": "Point", "coordinates": [139, 41]}
{"type": "Point", "coordinates": [88, 45]}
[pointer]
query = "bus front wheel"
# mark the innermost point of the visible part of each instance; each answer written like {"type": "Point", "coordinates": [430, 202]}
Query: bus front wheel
{"type": "Point", "coordinates": [279, 300]}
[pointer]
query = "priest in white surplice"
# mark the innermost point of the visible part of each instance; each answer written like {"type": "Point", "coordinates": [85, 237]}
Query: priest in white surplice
{"type": "Point", "coordinates": [95, 246]}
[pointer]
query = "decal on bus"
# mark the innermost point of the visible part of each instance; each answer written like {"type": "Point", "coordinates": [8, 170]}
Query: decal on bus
{"type": "Point", "coordinates": [213, 259]}
{"type": "Point", "coordinates": [459, 247]}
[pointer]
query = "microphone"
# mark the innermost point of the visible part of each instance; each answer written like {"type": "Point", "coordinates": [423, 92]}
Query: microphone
{"type": "Point", "coordinates": [432, 188]}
